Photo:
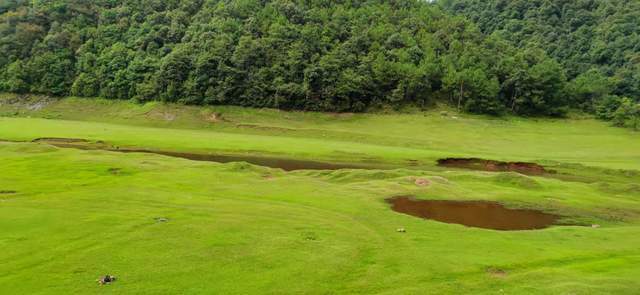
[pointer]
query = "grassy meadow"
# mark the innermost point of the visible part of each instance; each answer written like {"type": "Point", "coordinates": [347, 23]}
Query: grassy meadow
{"type": "Point", "coordinates": [166, 225]}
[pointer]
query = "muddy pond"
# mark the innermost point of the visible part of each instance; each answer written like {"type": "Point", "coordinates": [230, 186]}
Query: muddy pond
{"type": "Point", "coordinates": [481, 214]}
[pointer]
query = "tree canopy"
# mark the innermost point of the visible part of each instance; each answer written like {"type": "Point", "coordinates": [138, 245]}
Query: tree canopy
{"type": "Point", "coordinates": [596, 42]}
{"type": "Point", "coordinates": [308, 54]}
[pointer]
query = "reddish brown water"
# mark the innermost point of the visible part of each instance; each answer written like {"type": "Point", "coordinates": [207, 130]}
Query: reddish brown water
{"type": "Point", "coordinates": [489, 215]}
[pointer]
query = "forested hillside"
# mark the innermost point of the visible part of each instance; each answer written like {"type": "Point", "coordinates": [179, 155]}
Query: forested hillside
{"type": "Point", "coordinates": [597, 42]}
{"type": "Point", "coordinates": [311, 55]}
{"type": "Point", "coordinates": [294, 54]}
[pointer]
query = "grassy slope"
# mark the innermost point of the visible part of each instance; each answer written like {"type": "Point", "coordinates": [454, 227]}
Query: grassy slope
{"type": "Point", "coordinates": [232, 229]}
{"type": "Point", "coordinates": [350, 137]}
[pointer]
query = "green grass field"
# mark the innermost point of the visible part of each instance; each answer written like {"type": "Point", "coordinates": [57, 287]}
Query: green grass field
{"type": "Point", "coordinates": [69, 216]}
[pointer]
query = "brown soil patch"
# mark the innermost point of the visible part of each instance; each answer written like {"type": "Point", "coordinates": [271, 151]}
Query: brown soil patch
{"type": "Point", "coordinates": [215, 118]}
{"type": "Point", "coordinates": [114, 171]}
{"type": "Point", "coordinates": [497, 272]}
{"type": "Point", "coordinates": [422, 182]}
{"type": "Point", "coordinates": [495, 166]}
{"type": "Point", "coordinates": [488, 215]}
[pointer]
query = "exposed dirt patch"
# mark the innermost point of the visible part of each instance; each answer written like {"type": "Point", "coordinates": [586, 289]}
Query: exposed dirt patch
{"type": "Point", "coordinates": [29, 102]}
{"type": "Point", "coordinates": [268, 176]}
{"type": "Point", "coordinates": [497, 272]}
{"type": "Point", "coordinates": [215, 118]}
{"type": "Point", "coordinates": [114, 171]}
{"type": "Point", "coordinates": [489, 215]}
{"type": "Point", "coordinates": [422, 182]}
{"type": "Point", "coordinates": [495, 166]}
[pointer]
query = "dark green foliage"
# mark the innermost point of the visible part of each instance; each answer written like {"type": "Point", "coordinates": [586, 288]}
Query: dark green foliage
{"type": "Point", "coordinates": [597, 42]}
{"type": "Point", "coordinates": [590, 88]}
{"type": "Point", "coordinates": [15, 78]}
{"type": "Point", "coordinates": [293, 54]}
{"type": "Point", "coordinates": [627, 114]}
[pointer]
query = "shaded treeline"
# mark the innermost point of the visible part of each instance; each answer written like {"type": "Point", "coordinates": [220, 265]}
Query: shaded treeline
{"type": "Point", "coordinates": [304, 54]}
{"type": "Point", "coordinates": [597, 43]}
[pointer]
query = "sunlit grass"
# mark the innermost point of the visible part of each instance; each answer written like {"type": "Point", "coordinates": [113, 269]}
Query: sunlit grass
{"type": "Point", "coordinates": [234, 228]}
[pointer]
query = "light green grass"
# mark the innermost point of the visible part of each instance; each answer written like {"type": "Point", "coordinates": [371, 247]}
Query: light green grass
{"type": "Point", "coordinates": [241, 229]}
{"type": "Point", "coordinates": [345, 137]}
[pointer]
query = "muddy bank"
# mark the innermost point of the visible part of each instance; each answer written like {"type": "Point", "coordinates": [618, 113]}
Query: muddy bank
{"type": "Point", "coordinates": [59, 140]}
{"type": "Point", "coordinates": [495, 166]}
{"type": "Point", "coordinates": [481, 214]}
{"type": "Point", "coordinates": [272, 162]}
{"type": "Point", "coordinates": [282, 163]}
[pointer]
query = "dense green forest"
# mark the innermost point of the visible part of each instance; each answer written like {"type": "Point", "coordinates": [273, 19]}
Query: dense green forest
{"type": "Point", "coordinates": [597, 43]}
{"type": "Point", "coordinates": [323, 55]}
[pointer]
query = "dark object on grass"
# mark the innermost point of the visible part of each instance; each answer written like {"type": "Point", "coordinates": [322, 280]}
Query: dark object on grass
{"type": "Point", "coordinates": [497, 272]}
{"type": "Point", "coordinates": [161, 219]}
{"type": "Point", "coordinates": [107, 279]}
{"type": "Point", "coordinates": [422, 182]}
{"type": "Point", "coordinates": [115, 171]}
